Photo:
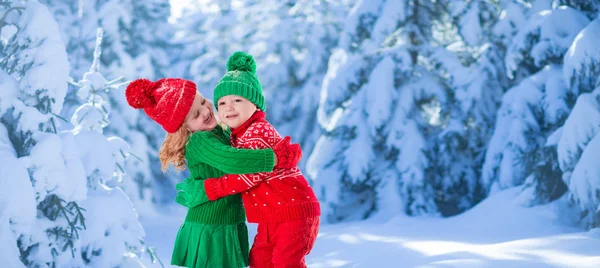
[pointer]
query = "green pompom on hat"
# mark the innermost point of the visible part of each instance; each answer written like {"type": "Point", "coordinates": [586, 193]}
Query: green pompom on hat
{"type": "Point", "coordinates": [240, 80]}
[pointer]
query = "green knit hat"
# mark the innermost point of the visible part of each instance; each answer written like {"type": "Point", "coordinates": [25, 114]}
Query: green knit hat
{"type": "Point", "coordinates": [240, 80]}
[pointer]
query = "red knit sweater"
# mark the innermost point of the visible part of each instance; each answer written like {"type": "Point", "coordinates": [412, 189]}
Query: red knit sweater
{"type": "Point", "coordinates": [280, 195]}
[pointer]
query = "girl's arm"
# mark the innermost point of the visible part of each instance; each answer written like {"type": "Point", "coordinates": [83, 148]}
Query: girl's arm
{"type": "Point", "coordinates": [207, 148]}
{"type": "Point", "coordinates": [232, 184]}
{"type": "Point", "coordinates": [196, 192]}
{"type": "Point", "coordinates": [237, 183]}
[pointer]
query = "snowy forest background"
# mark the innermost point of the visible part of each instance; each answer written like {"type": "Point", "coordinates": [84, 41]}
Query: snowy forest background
{"type": "Point", "coordinates": [415, 107]}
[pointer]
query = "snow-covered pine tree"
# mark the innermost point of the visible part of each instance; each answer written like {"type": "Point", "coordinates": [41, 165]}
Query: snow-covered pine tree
{"type": "Point", "coordinates": [520, 149]}
{"type": "Point", "coordinates": [591, 8]}
{"type": "Point", "coordinates": [478, 79]}
{"type": "Point", "coordinates": [468, 59]}
{"type": "Point", "coordinates": [53, 225]}
{"type": "Point", "coordinates": [15, 184]}
{"type": "Point", "coordinates": [113, 235]}
{"type": "Point", "coordinates": [136, 43]}
{"type": "Point", "coordinates": [34, 69]}
{"type": "Point", "coordinates": [373, 156]}
{"type": "Point", "coordinates": [579, 139]}
{"type": "Point", "coordinates": [15, 188]}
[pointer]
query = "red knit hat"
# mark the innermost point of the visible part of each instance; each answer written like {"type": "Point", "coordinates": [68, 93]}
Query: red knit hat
{"type": "Point", "coordinates": [167, 101]}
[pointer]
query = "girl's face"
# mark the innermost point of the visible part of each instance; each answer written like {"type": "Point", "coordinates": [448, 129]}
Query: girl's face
{"type": "Point", "coordinates": [201, 116]}
{"type": "Point", "coordinates": [235, 110]}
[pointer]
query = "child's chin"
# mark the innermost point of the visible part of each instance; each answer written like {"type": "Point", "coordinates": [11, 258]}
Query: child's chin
{"type": "Point", "coordinates": [232, 124]}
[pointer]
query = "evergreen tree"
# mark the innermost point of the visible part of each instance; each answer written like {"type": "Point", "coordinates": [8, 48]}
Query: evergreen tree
{"type": "Point", "coordinates": [60, 197]}
{"type": "Point", "coordinates": [113, 237]}
{"type": "Point", "coordinates": [35, 67]}
{"type": "Point", "coordinates": [380, 141]}
{"type": "Point", "coordinates": [136, 44]}
{"type": "Point", "coordinates": [578, 140]}
{"type": "Point", "coordinates": [534, 109]}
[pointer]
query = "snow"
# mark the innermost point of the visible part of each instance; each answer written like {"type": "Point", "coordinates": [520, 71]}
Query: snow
{"type": "Point", "coordinates": [517, 117]}
{"type": "Point", "coordinates": [499, 232]}
{"type": "Point", "coordinates": [96, 155]}
{"type": "Point", "coordinates": [90, 116]}
{"type": "Point", "coordinates": [51, 68]}
{"type": "Point", "coordinates": [57, 168]}
{"type": "Point", "coordinates": [578, 153]}
{"type": "Point", "coordinates": [554, 100]}
{"type": "Point", "coordinates": [512, 18]}
{"type": "Point", "coordinates": [554, 138]}
{"type": "Point", "coordinates": [8, 243]}
{"type": "Point", "coordinates": [378, 101]}
{"type": "Point", "coordinates": [363, 9]}
{"type": "Point", "coordinates": [137, 179]}
{"type": "Point", "coordinates": [579, 129]}
{"type": "Point", "coordinates": [111, 226]}
{"type": "Point", "coordinates": [15, 188]}
{"type": "Point", "coordinates": [8, 91]}
{"type": "Point", "coordinates": [120, 151]}
{"type": "Point", "coordinates": [471, 18]}
{"type": "Point", "coordinates": [585, 183]}
{"type": "Point", "coordinates": [41, 68]}
{"type": "Point", "coordinates": [322, 153]}
{"type": "Point", "coordinates": [341, 69]}
{"type": "Point", "coordinates": [581, 60]}
{"type": "Point", "coordinates": [49, 53]}
{"type": "Point", "coordinates": [391, 13]}
{"type": "Point", "coordinates": [358, 156]}
{"type": "Point", "coordinates": [547, 35]}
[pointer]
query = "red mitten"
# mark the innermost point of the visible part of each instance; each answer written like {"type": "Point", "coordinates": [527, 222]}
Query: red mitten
{"type": "Point", "coordinates": [288, 155]}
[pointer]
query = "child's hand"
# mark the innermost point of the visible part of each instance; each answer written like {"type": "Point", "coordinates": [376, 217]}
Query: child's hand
{"type": "Point", "coordinates": [180, 199]}
{"type": "Point", "coordinates": [288, 155]}
{"type": "Point", "coordinates": [181, 195]}
{"type": "Point", "coordinates": [191, 193]}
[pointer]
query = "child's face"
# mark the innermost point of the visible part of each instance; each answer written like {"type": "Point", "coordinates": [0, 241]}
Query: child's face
{"type": "Point", "coordinates": [201, 116]}
{"type": "Point", "coordinates": [235, 110]}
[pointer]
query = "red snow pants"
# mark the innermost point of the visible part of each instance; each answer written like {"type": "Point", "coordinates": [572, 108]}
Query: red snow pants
{"type": "Point", "coordinates": [284, 244]}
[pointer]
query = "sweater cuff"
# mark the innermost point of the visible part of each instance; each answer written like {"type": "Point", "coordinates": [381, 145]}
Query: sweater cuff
{"type": "Point", "coordinates": [212, 189]}
{"type": "Point", "coordinates": [270, 161]}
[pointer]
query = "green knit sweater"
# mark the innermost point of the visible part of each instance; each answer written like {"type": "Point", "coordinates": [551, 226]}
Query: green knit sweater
{"type": "Point", "coordinates": [210, 155]}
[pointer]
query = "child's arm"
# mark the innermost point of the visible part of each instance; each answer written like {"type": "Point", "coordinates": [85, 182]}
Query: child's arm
{"type": "Point", "coordinates": [193, 192]}
{"type": "Point", "coordinates": [261, 135]}
{"type": "Point", "coordinates": [205, 147]}
{"type": "Point", "coordinates": [196, 192]}
{"type": "Point", "coordinates": [230, 184]}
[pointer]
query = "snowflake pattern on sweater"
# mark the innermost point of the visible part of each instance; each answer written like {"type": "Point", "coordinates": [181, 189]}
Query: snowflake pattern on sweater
{"type": "Point", "coordinates": [280, 195]}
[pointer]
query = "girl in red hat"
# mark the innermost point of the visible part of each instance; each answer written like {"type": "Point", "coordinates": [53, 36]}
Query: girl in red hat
{"type": "Point", "coordinates": [213, 234]}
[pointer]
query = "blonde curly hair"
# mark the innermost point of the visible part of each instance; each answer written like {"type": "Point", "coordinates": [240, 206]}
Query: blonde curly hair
{"type": "Point", "coordinates": [172, 151]}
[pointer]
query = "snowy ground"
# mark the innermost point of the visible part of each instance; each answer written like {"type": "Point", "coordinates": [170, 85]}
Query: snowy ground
{"type": "Point", "coordinates": [497, 233]}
